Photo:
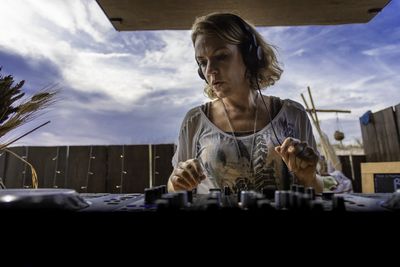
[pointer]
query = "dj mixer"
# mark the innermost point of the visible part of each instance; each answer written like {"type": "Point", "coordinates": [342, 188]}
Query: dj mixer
{"type": "Point", "coordinates": [157, 200]}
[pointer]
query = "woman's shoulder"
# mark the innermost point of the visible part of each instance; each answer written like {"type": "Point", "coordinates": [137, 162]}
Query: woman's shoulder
{"type": "Point", "coordinates": [193, 115]}
{"type": "Point", "coordinates": [292, 105]}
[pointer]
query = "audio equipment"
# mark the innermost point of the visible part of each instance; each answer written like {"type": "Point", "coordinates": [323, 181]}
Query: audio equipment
{"type": "Point", "coordinates": [156, 199]}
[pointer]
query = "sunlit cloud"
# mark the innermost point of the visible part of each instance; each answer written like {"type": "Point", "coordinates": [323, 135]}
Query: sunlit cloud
{"type": "Point", "coordinates": [135, 87]}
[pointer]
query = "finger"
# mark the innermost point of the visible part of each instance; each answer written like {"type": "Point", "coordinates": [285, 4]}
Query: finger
{"type": "Point", "coordinates": [198, 167]}
{"type": "Point", "coordinates": [180, 182]}
{"type": "Point", "coordinates": [290, 152]}
{"type": "Point", "coordinates": [199, 170]}
{"type": "Point", "coordinates": [285, 145]}
{"type": "Point", "coordinates": [292, 162]}
{"type": "Point", "coordinates": [191, 169]}
{"type": "Point", "coordinates": [300, 149]}
{"type": "Point", "coordinates": [288, 142]}
{"type": "Point", "coordinates": [285, 157]}
{"type": "Point", "coordinates": [308, 154]}
{"type": "Point", "coordinates": [291, 149]}
{"type": "Point", "coordinates": [304, 164]}
{"type": "Point", "coordinates": [313, 155]}
{"type": "Point", "coordinates": [195, 169]}
{"type": "Point", "coordinates": [185, 173]}
{"type": "Point", "coordinates": [179, 187]}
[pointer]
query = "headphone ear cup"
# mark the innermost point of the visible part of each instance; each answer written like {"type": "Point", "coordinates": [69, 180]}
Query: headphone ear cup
{"type": "Point", "coordinates": [201, 74]}
{"type": "Point", "coordinates": [260, 57]}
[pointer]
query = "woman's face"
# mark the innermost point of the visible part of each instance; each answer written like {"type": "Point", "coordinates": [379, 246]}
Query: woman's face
{"type": "Point", "coordinates": [222, 65]}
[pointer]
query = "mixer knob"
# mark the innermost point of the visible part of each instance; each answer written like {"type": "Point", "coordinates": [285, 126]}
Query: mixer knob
{"type": "Point", "coordinates": [293, 187]}
{"type": "Point", "coordinates": [249, 199]}
{"type": "Point", "coordinates": [311, 192]}
{"type": "Point", "coordinates": [162, 204]}
{"type": "Point", "coordinates": [300, 189]}
{"type": "Point", "coordinates": [162, 189]}
{"type": "Point", "coordinates": [214, 190]}
{"type": "Point", "coordinates": [338, 203]}
{"type": "Point", "coordinates": [282, 199]}
{"type": "Point", "coordinates": [176, 200]}
{"type": "Point", "coordinates": [327, 195]}
{"type": "Point", "coordinates": [269, 191]}
{"type": "Point", "coordinates": [215, 195]}
{"type": "Point", "coordinates": [239, 195]}
{"type": "Point", "coordinates": [304, 202]}
{"type": "Point", "coordinates": [294, 202]}
{"type": "Point", "coordinates": [150, 196]}
{"type": "Point", "coordinates": [189, 196]}
{"type": "Point", "coordinates": [182, 199]}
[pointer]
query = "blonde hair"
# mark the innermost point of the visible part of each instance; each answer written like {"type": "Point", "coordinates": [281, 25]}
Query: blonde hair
{"type": "Point", "coordinates": [226, 26]}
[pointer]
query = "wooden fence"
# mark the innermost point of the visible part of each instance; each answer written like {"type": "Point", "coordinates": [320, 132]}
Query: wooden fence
{"type": "Point", "coordinates": [92, 169]}
{"type": "Point", "coordinates": [111, 169]}
{"type": "Point", "coordinates": [351, 167]}
{"type": "Point", "coordinates": [381, 135]}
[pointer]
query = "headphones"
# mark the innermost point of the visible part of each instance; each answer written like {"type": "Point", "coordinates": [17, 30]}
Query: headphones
{"type": "Point", "coordinates": [252, 53]}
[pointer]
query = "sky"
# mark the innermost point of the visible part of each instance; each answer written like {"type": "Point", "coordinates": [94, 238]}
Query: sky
{"type": "Point", "coordinates": [135, 87]}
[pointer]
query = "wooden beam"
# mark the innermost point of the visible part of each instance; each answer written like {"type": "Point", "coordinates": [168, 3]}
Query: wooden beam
{"type": "Point", "coordinates": [328, 110]}
{"type": "Point", "coordinates": [131, 15]}
{"type": "Point", "coordinates": [368, 170]}
{"type": "Point", "coordinates": [313, 106]}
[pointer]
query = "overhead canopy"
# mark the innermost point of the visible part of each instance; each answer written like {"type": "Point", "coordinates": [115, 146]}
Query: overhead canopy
{"type": "Point", "coordinates": [131, 15]}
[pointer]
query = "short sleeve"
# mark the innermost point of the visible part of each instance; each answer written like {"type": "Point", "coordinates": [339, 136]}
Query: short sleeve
{"type": "Point", "coordinates": [187, 135]}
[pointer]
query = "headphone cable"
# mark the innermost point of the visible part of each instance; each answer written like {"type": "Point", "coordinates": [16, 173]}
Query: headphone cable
{"type": "Point", "coordinates": [269, 113]}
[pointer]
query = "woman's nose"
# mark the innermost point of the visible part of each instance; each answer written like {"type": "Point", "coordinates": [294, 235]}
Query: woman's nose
{"type": "Point", "coordinates": [212, 68]}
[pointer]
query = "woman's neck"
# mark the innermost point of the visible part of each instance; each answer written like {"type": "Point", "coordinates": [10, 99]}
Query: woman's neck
{"type": "Point", "coordinates": [242, 103]}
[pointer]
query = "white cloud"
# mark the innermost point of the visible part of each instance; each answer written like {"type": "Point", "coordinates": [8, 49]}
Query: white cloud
{"type": "Point", "coordinates": [385, 50]}
{"type": "Point", "coordinates": [107, 72]}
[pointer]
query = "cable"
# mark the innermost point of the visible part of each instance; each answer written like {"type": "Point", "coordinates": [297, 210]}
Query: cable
{"type": "Point", "coordinates": [269, 113]}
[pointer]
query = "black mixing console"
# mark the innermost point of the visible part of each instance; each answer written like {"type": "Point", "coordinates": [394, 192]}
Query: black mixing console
{"type": "Point", "coordinates": [156, 199]}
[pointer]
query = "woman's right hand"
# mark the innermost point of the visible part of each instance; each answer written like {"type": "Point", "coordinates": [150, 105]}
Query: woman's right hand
{"type": "Point", "coordinates": [187, 175]}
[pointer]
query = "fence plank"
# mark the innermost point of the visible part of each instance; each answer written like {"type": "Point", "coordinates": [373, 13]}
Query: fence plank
{"type": "Point", "coordinates": [370, 144]}
{"type": "Point", "coordinates": [98, 168]}
{"type": "Point", "coordinates": [136, 163]}
{"type": "Point", "coordinates": [357, 182]}
{"type": "Point", "coordinates": [397, 119]}
{"type": "Point", "coordinates": [128, 169]}
{"type": "Point", "coordinates": [77, 168]}
{"type": "Point", "coordinates": [89, 169]}
{"type": "Point", "coordinates": [114, 169]}
{"type": "Point", "coordinates": [41, 159]}
{"type": "Point", "coordinates": [392, 134]}
{"type": "Point", "coordinates": [387, 135]}
{"type": "Point", "coordinates": [346, 166]}
{"type": "Point", "coordinates": [162, 157]}
{"type": "Point", "coordinates": [15, 173]}
{"type": "Point", "coordinates": [3, 160]}
{"type": "Point", "coordinates": [60, 171]}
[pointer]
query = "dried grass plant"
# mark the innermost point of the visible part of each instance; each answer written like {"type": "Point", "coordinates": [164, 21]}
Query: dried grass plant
{"type": "Point", "coordinates": [15, 111]}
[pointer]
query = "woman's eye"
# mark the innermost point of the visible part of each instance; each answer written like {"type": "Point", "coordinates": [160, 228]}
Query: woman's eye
{"type": "Point", "coordinates": [221, 57]}
{"type": "Point", "coordinates": [202, 63]}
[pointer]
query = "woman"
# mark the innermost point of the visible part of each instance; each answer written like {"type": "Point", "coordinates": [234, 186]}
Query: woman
{"type": "Point", "coordinates": [241, 139]}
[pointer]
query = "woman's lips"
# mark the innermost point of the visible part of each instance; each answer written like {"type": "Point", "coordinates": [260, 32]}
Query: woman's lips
{"type": "Point", "coordinates": [217, 84]}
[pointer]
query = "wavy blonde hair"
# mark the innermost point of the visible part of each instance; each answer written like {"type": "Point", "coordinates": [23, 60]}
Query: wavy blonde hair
{"type": "Point", "coordinates": [226, 27]}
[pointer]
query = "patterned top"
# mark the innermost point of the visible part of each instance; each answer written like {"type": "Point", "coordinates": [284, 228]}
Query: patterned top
{"type": "Point", "coordinates": [221, 161]}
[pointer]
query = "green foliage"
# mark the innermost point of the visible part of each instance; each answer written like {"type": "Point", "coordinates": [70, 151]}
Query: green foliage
{"type": "Point", "coordinates": [16, 110]}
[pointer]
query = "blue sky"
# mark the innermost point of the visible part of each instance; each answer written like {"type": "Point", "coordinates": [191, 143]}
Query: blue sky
{"type": "Point", "coordinates": [135, 87]}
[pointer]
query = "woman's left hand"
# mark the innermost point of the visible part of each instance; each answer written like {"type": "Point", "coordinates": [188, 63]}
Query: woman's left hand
{"type": "Point", "coordinates": [300, 159]}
